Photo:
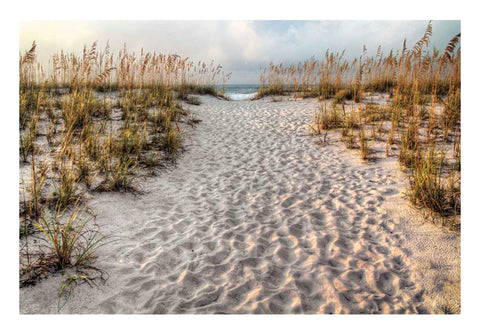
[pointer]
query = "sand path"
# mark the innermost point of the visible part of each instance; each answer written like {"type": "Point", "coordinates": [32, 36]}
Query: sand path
{"type": "Point", "coordinates": [255, 218]}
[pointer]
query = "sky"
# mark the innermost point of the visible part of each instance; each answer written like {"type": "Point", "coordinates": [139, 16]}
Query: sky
{"type": "Point", "coordinates": [241, 47]}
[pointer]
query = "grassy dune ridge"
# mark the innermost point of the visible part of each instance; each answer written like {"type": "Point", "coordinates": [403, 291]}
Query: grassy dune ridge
{"type": "Point", "coordinates": [90, 123]}
{"type": "Point", "coordinates": [421, 119]}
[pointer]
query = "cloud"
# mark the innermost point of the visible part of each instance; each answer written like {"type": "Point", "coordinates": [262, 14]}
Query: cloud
{"type": "Point", "coordinates": [244, 39]}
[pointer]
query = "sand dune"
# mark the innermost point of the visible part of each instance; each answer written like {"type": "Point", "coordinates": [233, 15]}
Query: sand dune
{"type": "Point", "coordinates": [256, 218]}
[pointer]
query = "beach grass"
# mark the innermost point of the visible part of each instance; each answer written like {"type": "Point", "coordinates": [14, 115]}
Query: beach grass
{"type": "Point", "coordinates": [422, 90]}
{"type": "Point", "coordinates": [87, 121]}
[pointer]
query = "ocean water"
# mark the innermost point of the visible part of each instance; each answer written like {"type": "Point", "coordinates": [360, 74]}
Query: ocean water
{"type": "Point", "coordinates": [240, 91]}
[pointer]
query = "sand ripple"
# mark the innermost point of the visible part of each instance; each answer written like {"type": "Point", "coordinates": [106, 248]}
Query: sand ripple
{"type": "Point", "coordinates": [255, 218]}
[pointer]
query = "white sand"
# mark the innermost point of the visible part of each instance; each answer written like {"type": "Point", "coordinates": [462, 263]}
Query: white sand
{"type": "Point", "coordinates": [257, 218]}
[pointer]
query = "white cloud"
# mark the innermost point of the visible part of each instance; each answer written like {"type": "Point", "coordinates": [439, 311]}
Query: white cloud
{"type": "Point", "coordinates": [245, 38]}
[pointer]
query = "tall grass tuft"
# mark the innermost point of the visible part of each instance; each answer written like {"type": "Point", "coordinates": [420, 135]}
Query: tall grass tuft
{"type": "Point", "coordinates": [72, 239]}
{"type": "Point", "coordinates": [365, 150]}
{"type": "Point", "coordinates": [429, 189]}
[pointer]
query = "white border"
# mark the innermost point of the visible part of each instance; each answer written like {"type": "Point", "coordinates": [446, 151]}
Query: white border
{"type": "Point", "coordinates": [245, 9]}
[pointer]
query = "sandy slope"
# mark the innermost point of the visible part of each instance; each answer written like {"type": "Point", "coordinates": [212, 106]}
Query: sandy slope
{"type": "Point", "coordinates": [256, 218]}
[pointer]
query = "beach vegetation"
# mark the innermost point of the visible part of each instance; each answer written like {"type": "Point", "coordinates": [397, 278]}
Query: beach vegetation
{"type": "Point", "coordinates": [86, 121]}
{"type": "Point", "coordinates": [421, 89]}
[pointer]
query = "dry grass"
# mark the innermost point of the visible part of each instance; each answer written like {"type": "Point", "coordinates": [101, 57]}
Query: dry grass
{"type": "Point", "coordinates": [429, 188]}
{"type": "Point", "coordinates": [87, 121]}
{"type": "Point", "coordinates": [419, 82]}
